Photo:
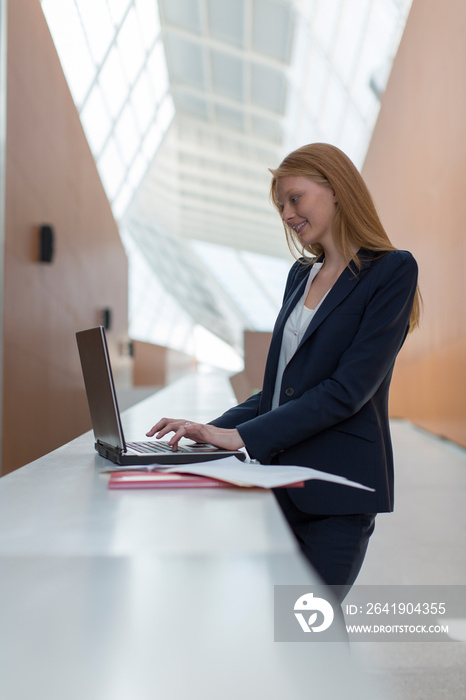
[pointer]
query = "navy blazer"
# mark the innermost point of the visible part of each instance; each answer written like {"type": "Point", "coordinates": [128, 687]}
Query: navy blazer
{"type": "Point", "coordinates": [333, 409]}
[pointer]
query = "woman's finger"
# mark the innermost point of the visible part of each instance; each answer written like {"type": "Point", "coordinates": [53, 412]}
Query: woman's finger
{"type": "Point", "coordinates": [181, 432]}
{"type": "Point", "coordinates": [164, 423]}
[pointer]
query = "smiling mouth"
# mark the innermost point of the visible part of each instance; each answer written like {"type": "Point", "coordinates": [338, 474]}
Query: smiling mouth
{"type": "Point", "coordinates": [300, 227]}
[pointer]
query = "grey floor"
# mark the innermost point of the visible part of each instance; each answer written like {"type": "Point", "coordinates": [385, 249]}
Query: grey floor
{"type": "Point", "coordinates": [422, 542]}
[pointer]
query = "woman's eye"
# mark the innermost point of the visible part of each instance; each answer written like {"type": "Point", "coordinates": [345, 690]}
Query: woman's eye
{"type": "Point", "coordinates": [294, 200]}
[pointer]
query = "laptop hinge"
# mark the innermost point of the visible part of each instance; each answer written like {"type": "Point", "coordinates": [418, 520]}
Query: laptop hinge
{"type": "Point", "coordinates": [111, 448]}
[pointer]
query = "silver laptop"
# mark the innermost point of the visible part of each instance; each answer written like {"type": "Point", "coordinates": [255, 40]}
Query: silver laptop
{"type": "Point", "coordinates": [105, 415]}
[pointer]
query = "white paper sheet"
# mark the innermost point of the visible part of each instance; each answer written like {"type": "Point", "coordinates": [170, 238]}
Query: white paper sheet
{"type": "Point", "coordinates": [265, 476]}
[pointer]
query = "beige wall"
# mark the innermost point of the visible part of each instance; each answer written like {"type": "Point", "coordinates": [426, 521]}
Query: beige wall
{"type": "Point", "coordinates": [51, 178]}
{"type": "Point", "coordinates": [155, 365]}
{"type": "Point", "coordinates": [249, 381]}
{"type": "Point", "coordinates": [416, 170]}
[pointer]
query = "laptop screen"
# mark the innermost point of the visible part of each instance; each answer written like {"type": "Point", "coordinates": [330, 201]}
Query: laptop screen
{"type": "Point", "coordinates": [100, 389]}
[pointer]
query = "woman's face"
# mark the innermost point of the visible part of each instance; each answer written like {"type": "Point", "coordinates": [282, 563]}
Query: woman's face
{"type": "Point", "coordinates": [308, 208]}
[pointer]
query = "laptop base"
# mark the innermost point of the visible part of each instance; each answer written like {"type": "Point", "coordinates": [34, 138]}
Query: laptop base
{"type": "Point", "coordinates": [124, 459]}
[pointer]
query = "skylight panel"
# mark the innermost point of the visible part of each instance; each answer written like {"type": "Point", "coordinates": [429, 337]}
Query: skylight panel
{"type": "Point", "coordinates": [157, 71]}
{"type": "Point", "coordinates": [149, 21]}
{"type": "Point", "coordinates": [228, 75]}
{"type": "Point", "coordinates": [137, 170]}
{"type": "Point", "coordinates": [122, 199]}
{"type": "Point", "coordinates": [113, 82]}
{"type": "Point", "coordinates": [226, 21]}
{"type": "Point", "coordinates": [104, 47]}
{"type": "Point", "coordinates": [334, 107]}
{"type": "Point", "coordinates": [152, 141]}
{"type": "Point", "coordinates": [98, 26]}
{"type": "Point", "coordinates": [325, 20]}
{"type": "Point", "coordinates": [182, 14]}
{"type": "Point", "coordinates": [165, 113]}
{"type": "Point", "coordinates": [96, 120]}
{"type": "Point", "coordinates": [267, 128]}
{"type": "Point", "coordinates": [231, 117]}
{"type": "Point", "coordinates": [317, 80]}
{"type": "Point", "coordinates": [72, 47]}
{"type": "Point", "coordinates": [353, 134]}
{"type": "Point", "coordinates": [130, 45]}
{"type": "Point", "coordinates": [111, 168]}
{"type": "Point", "coordinates": [143, 102]}
{"type": "Point", "coordinates": [268, 88]}
{"type": "Point", "coordinates": [186, 61]}
{"type": "Point", "coordinates": [351, 29]}
{"type": "Point", "coordinates": [127, 134]}
{"type": "Point", "coordinates": [117, 9]}
{"type": "Point", "coordinates": [272, 29]}
{"type": "Point", "coordinates": [191, 103]}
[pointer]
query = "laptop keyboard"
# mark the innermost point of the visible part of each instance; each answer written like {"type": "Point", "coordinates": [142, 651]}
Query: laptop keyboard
{"type": "Point", "coordinates": [163, 447]}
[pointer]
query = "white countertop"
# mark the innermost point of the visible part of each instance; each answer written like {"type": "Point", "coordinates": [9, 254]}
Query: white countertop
{"type": "Point", "coordinates": [109, 595]}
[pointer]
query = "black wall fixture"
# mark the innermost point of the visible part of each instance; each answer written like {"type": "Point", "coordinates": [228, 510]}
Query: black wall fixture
{"type": "Point", "coordinates": [46, 243]}
{"type": "Point", "coordinates": [107, 318]}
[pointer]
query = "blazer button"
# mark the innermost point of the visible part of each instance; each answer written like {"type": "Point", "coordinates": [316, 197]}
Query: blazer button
{"type": "Point", "coordinates": [289, 391]}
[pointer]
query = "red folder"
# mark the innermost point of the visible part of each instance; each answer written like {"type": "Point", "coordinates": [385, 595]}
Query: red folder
{"type": "Point", "coordinates": [161, 480]}
{"type": "Point", "coordinates": [171, 480]}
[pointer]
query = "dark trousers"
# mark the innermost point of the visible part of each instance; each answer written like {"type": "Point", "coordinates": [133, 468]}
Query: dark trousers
{"type": "Point", "coordinates": [335, 545]}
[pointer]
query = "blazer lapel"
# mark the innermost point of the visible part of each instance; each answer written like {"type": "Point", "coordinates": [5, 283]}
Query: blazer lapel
{"type": "Point", "coordinates": [288, 307]}
{"type": "Point", "coordinates": [345, 284]}
{"type": "Point", "coordinates": [275, 345]}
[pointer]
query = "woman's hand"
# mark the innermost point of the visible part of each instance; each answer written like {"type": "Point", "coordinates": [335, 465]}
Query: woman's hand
{"type": "Point", "coordinates": [227, 439]}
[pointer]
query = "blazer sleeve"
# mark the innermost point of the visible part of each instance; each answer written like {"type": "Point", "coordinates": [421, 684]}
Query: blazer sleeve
{"type": "Point", "coordinates": [360, 371]}
{"type": "Point", "coordinates": [245, 411]}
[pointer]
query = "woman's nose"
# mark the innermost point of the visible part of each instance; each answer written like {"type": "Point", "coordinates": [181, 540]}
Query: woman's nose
{"type": "Point", "coordinates": [287, 213]}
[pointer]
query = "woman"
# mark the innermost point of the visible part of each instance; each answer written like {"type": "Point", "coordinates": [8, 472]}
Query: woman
{"type": "Point", "coordinates": [349, 302]}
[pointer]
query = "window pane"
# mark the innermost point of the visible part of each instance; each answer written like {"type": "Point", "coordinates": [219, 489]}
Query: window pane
{"type": "Point", "coordinates": [317, 80]}
{"type": "Point", "coordinates": [325, 22]}
{"type": "Point", "coordinates": [112, 80]}
{"type": "Point", "coordinates": [129, 42]}
{"type": "Point", "coordinates": [98, 26]}
{"type": "Point", "coordinates": [127, 134]}
{"type": "Point", "coordinates": [96, 120]}
{"type": "Point", "coordinates": [333, 112]}
{"type": "Point", "coordinates": [157, 69]}
{"type": "Point", "coordinates": [166, 113]}
{"type": "Point", "coordinates": [121, 201]}
{"type": "Point", "coordinates": [152, 141]}
{"type": "Point", "coordinates": [111, 168]}
{"type": "Point", "coordinates": [149, 22]}
{"type": "Point", "coordinates": [117, 9]}
{"type": "Point", "coordinates": [70, 41]}
{"type": "Point", "coordinates": [143, 102]}
{"type": "Point", "coordinates": [350, 35]}
{"type": "Point", "coordinates": [137, 170]}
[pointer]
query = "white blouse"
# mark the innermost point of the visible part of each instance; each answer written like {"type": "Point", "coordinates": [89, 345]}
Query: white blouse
{"type": "Point", "coordinates": [294, 330]}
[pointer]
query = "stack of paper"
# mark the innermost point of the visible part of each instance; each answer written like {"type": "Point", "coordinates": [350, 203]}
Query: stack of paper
{"type": "Point", "coordinates": [223, 472]}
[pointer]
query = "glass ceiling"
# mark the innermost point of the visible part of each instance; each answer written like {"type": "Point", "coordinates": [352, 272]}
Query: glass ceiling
{"type": "Point", "coordinates": [113, 59]}
{"type": "Point", "coordinates": [186, 104]}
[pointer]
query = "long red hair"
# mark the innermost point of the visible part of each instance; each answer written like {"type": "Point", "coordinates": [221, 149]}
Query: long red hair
{"type": "Point", "coordinates": [357, 224]}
